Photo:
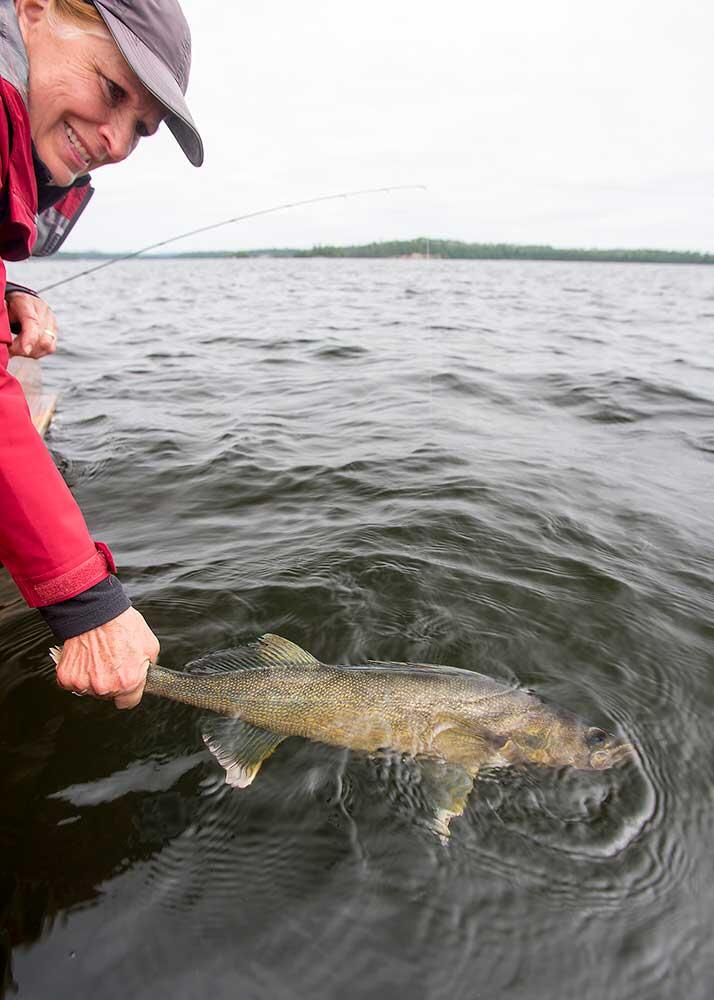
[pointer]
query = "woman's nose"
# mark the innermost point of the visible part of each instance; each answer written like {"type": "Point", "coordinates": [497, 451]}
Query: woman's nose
{"type": "Point", "coordinates": [118, 137]}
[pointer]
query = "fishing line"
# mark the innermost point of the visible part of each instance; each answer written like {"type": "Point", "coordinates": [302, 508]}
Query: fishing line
{"type": "Point", "coordinates": [227, 222]}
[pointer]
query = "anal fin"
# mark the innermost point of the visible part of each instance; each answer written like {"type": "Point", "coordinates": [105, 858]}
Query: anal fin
{"type": "Point", "coordinates": [239, 747]}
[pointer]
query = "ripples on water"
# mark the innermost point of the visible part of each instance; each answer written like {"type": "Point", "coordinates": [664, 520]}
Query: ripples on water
{"type": "Point", "coordinates": [502, 466]}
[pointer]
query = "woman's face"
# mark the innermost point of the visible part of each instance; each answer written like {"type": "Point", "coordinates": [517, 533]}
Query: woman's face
{"type": "Point", "coordinates": [87, 107]}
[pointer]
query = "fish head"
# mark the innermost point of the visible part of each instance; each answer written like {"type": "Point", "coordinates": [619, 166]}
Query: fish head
{"type": "Point", "coordinates": [553, 737]}
{"type": "Point", "coordinates": [606, 749]}
{"type": "Point", "coordinates": [575, 742]}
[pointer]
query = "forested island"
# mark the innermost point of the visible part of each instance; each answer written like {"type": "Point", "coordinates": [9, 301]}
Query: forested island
{"type": "Point", "coordinates": [457, 250]}
{"type": "Point", "coordinates": [424, 247]}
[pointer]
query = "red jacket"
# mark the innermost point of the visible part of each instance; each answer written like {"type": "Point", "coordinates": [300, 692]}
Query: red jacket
{"type": "Point", "coordinates": [44, 541]}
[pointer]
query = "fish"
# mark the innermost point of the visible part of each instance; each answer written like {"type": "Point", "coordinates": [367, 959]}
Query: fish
{"type": "Point", "coordinates": [454, 722]}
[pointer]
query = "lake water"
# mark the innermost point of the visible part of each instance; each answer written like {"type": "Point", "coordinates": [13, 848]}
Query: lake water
{"type": "Point", "coordinates": [503, 466]}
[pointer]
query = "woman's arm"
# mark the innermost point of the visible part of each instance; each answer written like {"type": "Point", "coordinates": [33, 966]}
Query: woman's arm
{"type": "Point", "coordinates": [46, 547]}
{"type": "Point", "coordinates": [44, 541]}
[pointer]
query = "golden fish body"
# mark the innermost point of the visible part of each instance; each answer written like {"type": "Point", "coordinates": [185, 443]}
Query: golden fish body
{"type": "Point", "coordinates": [370, 707]}
{"type": "Point", "coordinates": [453, 715]}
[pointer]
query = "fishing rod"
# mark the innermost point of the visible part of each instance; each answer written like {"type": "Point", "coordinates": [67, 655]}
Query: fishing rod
{"type": "Point", "coordinates": [227, 222]}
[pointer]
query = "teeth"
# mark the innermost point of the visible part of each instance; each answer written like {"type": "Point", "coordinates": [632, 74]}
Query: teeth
{"type": "Point", "coordinates": [71, 135]}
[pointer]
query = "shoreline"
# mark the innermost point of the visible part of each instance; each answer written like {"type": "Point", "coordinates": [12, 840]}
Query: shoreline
{"type": "Point", "coordinates": [425, 248]}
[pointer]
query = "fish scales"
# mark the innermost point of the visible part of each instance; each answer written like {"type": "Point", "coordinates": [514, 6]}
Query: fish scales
{"type": "Point", "coordinates": [364, 707]}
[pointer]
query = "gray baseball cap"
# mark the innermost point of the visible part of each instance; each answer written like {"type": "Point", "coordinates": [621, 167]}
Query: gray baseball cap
{"type": "Point", "coordinates": [155, 40]}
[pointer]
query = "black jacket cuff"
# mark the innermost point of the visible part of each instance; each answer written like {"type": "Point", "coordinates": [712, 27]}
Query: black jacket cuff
{"type": "Point", "coordinates": [12, 286]}
{"type": "Point", "coordinates": [94, 607]}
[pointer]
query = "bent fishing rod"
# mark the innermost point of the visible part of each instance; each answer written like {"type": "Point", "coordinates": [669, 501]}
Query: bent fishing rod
{"type": "Point", "coordinates": [227, 222]}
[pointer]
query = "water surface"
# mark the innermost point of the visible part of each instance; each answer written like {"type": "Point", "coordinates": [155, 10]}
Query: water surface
{"type": "Point", "coordinates": [504, 466]}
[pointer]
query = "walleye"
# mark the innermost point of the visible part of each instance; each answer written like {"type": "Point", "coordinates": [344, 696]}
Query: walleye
{"type": "Point", "coordinates": [453, 721]}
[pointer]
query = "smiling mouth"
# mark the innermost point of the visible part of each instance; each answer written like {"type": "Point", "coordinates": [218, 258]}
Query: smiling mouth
{"type": "Point", "coordinates": [77, 145]}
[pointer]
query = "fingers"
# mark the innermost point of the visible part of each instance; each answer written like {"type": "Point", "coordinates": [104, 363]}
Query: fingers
{"type": "Point", "coordinates": [69, 677]}
{"type": "Point", "coordinates": [48, 341]}
{"type": "Point", "coordinates": [80, 684]}
{"type": "Point", "coordinates": [75, 681]}
{"type": "Point", "coordinates": [35, 341]}
{"type": "Point", "coordinates": [37, 323]}
{"type": "Point", "coordinates": [110, 661]}
{"type": "Point", "coordinates": [129, 699]}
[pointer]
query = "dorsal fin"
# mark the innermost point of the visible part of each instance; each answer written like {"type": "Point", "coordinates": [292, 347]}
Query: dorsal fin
{"type": "Point", "coordinates": [280, 650]}
{"type": "Point", "coordinates": [440, 668]}
{"type": "Point", "coordinates": [268, 651]}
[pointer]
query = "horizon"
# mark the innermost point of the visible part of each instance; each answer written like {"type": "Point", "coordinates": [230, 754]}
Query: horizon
{"type": "Point", "coordinates": [229, 251]}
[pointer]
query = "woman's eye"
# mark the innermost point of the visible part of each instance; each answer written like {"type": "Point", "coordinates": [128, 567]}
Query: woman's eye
{"type": "Point", "coordinates": [596, 737]}
{"type": "Point", "coordinates": [116, 93]}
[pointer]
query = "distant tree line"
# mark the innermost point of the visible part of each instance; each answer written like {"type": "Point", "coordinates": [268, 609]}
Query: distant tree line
{"type": "Point", "coordinates": [443, 249]}
{"type": "Point", "coordinates": [457, 250]}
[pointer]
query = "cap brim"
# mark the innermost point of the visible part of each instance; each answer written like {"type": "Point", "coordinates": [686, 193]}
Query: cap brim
{"type": "Point", "coordinates": [157, 79]}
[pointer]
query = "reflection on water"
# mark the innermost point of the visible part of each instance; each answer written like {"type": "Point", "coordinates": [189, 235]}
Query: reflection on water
{"type": "Point", "coordinates": [502, 466]}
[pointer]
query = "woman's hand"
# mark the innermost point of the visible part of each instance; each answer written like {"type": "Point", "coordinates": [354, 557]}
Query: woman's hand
{"type": "Point", "coordinates": [110, 661]}
{"type": "Point", "coordinates": [38, 326]}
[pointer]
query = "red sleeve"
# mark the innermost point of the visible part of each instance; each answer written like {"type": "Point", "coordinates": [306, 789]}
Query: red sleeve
{"type": "Point", "coordinates": [44, 541]}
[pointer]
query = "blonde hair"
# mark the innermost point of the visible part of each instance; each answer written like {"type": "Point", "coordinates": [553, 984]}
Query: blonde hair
{"type": "Point", "coordinates": [70, 18]}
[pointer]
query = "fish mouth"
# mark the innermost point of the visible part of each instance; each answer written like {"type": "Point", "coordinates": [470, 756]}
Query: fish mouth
{"type": "Point", "coordinates": [612, 756]}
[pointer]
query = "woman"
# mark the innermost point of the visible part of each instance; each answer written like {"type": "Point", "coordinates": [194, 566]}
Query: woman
{"type": "Point", "coordinates": [80, 83]}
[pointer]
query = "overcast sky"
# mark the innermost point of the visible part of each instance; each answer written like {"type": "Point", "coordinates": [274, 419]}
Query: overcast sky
{"type": "Point", "coordinates": [552, 122]}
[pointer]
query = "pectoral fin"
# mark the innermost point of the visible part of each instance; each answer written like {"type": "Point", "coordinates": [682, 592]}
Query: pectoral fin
{"type": "Point", "coordinates": [239, 748]}
{"type": "Point", "coordinates": [467, 744]}
{"type": "Point", "coordinates": [446, 788]}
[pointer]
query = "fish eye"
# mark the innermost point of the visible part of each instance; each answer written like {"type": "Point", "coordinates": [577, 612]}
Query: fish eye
{"type": "Point", "coordinates": [595, 737]}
